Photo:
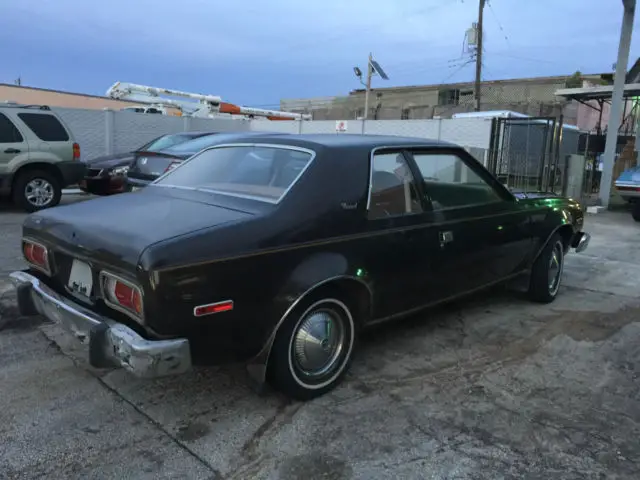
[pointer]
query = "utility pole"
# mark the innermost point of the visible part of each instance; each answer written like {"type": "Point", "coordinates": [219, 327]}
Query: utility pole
{"type": "Point", "coordinates": [479, 53]}
{"type": "Point", "coordinates": [373, 68]}
{"type": "Point", "coordinates": [617, 96]}
{"type": "Point", "coordinates": [366, 94]}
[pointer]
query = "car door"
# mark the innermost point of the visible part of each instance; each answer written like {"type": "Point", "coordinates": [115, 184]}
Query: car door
{"type": "Point", "coordinates": [12, 143]}
{"type": "Point", "coordinates": [484, 235]}
{"type": "Point", "coordinates": [400, 235]}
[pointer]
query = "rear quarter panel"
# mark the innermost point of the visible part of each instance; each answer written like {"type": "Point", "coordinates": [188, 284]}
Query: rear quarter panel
{"type": "Point", "coordinates": [263, 264]}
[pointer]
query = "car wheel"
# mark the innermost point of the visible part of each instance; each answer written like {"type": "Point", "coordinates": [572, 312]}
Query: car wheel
{"type": "Point", "coordinates": [635, 211]}
{"type": "Point", "coordinates": [546, 274]}
{"type": "Point", "coordinates": [35, 190]}
{"type": "Point", "coordinates": [313, 348]}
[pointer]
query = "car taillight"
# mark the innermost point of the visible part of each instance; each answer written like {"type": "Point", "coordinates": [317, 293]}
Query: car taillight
{"type": "Point", "coordinates": [36, 255]}
{"type": "Point", "coordinates": [76, 151]}
{"type": "Point", "coordinates": [171, 166]}
{"type": "Point", "coordinates": [121, 294]}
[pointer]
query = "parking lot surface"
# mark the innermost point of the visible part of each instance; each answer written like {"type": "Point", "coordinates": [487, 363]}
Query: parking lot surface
{"type": "Point", "coordinates": [491, 387]}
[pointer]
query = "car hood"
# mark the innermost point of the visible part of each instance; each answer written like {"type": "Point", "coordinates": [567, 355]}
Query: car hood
{"type": "Point", "coordinates": [549, 199]}
{"type": "Point", "coordinates": [94, 162]}
{"type": "Point", "coordinates": [117, 229]}
{"type": "Point", "coordinates": [528, 195]}
{"type": "Point", "coordinates": [630, 176]}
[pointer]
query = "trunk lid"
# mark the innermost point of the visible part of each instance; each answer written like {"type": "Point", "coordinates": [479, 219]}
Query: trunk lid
{"type": "Point", "coordinates": [116, 230]}
{"type": "Point", "coordinates": [150, 165]}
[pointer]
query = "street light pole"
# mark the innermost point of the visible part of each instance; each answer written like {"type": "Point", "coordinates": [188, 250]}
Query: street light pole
{"type": "Point", "coordinates": [366, 94]}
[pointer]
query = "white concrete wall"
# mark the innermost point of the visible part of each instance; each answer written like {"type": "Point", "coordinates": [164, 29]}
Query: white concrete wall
{"type": "Point", "coordinates": [467, 132]}
{"type": "Point", "coordinates": [101, 132]}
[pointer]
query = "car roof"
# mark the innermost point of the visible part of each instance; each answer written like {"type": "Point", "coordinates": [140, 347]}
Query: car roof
{"type": "Point", "coordinates": [342, 140]}
{"type": "Point", "coordinates": [195, 133]}
{"type": "Point", "coordinates": [216, 138]}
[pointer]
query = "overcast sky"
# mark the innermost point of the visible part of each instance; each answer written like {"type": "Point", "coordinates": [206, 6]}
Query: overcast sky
{"type": "Point", "coordinates": [256, 52]}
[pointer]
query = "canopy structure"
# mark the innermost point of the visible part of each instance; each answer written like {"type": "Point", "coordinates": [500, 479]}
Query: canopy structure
{"type": "Point", "coordinates": [598, 93]}
{"type": "Point", "coordinates": [602, 95]}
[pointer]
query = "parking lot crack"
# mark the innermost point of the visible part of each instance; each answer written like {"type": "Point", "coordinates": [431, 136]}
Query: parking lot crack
{"type": "Point", "coordinates": [215, 474]}
{"type": "Point", "coordinates": [252, 458]}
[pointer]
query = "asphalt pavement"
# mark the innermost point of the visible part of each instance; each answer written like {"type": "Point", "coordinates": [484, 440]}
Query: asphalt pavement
{"type": "Point", "coordinates": [491, 387]}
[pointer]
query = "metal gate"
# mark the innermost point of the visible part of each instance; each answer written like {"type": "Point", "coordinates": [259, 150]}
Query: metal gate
{"type": "Point", "coordinates": [592, 146]}
{"type": "Point", "coordinates": [524, 154]}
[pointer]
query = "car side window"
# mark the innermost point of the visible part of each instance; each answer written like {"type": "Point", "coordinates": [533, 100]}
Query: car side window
{"type": "Point", "coordinates": [393, 189]}
{"type": "Point", "coordinates": [451, 183]}
{"type": "Point", "coordinates": [46, 127]}
{"type": "Point", "coordinates": [8, 131]}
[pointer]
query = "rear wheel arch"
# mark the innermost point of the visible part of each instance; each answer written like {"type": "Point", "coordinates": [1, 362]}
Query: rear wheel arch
{"type": "Point", "coordinates": [351, 290]}
{"type": "Point", "coordinates": [26, 174]}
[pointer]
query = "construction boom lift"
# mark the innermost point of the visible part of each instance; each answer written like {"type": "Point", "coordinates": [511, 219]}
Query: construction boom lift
{"type": "Point", "coordinates": [205, 106]}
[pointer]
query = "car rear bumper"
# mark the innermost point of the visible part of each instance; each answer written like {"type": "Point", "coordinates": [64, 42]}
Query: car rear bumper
{"type": "Point", "coordinates": [102, 185]}
{"type": "Point", "coordinates": [111, 344]}
{"type": "Point", "coordinates": [581, 241]}
{"type": "Point", "coordinates": [71, 172]}
{"type": "Point", "coordinates": [137, 182]}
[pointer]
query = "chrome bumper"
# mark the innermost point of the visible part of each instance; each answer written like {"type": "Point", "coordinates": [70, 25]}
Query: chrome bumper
{"type": "Point", "coordinates": [581, 241]}
{"type": "Point", "coordinates": [111, 344]}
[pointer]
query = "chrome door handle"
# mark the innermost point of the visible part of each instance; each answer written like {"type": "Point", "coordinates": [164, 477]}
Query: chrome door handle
{"type": "Point", "coordinates": [445, 237]}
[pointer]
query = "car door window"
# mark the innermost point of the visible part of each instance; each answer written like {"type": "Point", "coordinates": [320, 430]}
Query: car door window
{"type": "Point", "coordinates": [451, 183]}
{"type": "Point", "coordinates": [45, 126]}
{"type": "Point", "coordinates": [393, 190]}
{"type": "Point", "coordinates": [8, 131]}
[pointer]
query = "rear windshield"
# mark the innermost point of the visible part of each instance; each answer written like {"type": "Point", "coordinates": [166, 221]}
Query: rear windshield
{"type": "Point", "coordinates": [167, 141]}
{"type": "Point", "coordinates": [46, 127]}
{"type": "Point", "coordinates": [194, 146]}
{"type": "Point", "coordinates": [262, 173]}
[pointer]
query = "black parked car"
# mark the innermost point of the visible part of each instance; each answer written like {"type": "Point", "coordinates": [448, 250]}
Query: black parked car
{"type": "Point", "coordinates": [106, 174]}
{"type": "Point", "coordinates": [146, 168]}
{"type": "Point", "coordinates": [278, 250]}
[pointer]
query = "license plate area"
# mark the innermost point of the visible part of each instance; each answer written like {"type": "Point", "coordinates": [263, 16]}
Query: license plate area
{"type": "Point", "coordinates": [80, 279]}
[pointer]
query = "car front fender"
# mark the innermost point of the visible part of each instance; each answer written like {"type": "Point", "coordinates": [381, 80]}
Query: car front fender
{"type": "Point", "coordinates": [567, 220]}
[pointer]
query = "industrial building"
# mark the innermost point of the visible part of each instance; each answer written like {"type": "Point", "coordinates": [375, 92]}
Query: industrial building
{"type": "Point", "coordinates": [530, 96]}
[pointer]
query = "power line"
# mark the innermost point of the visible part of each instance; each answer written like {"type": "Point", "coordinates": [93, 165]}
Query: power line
{"type": "Point", "coordinates": [460, 67]}
{"type": "Point", "coordinates": [493, 12]}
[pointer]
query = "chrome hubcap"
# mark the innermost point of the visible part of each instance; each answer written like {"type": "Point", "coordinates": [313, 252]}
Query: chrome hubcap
{"type": "Point", "coordinates": [318, 342]}
{"type": "Point", "coordinates": [555, 268]}
{"type": "Point", "coordinates": [38, 192]}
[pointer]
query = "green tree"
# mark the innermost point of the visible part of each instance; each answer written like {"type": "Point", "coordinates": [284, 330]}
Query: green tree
{"type": "Point", "coordinates": [575, 80]}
